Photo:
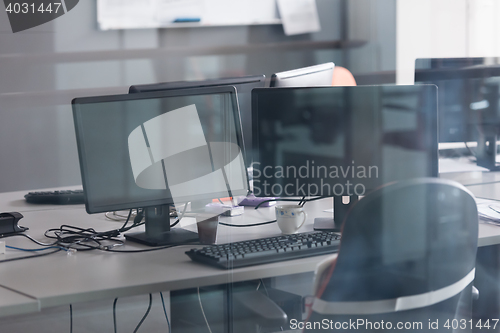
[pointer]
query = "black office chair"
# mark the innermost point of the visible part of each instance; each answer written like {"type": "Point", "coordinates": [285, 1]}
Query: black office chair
{"type": "Point", "coordinates": [407, 255]}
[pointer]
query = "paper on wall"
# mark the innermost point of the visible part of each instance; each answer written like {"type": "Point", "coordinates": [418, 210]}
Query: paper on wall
{"type": "Point", "coordinates": [238, 11]}
{"type": "Point", "coordinates": [129, 14]}
{"type": "Point", "coordinates": [125, 14]}
{"type": "Point", "coordinates": [299, 16]}
{"type": "Point", "coordinates": [169, 10]}
{"type": "Point", "coordinates": [132, 14]}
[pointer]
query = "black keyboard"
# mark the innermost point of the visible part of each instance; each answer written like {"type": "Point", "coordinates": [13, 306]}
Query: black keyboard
{"type": "Point", "coordinates": [267, 250]}
{"type": "Point", "coordinates": [56, 197]}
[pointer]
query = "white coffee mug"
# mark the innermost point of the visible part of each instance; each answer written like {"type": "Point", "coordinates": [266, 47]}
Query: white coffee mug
{"type": "Point", "coordinates": [290, 218]}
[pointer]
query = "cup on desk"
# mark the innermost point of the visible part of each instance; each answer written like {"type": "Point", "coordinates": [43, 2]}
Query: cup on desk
{"type": "Point", "coordinates": [207, 228]}
{"type": "Point", "coordinates": [290, 218]}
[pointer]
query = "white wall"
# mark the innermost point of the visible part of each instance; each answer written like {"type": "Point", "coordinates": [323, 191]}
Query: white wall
{"type": "Point", "coordinates": [428, 29]}
{"type": "Point", "coordinates": [444, 28]}
{"type": "Point", "coordinates": [484, 28]}
{"type": "Point", "coordinates": [43, 68]}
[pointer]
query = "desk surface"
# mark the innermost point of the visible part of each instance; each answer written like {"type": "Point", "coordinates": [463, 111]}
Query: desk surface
{"type": "Point", "coordinates": [472, 178]}
{"type": "Point", "coordinates": [12, 303]}
{"type": "Point", "coordinates": [481, 184]}
{"type": "Point", "coordinates": [60, 279]}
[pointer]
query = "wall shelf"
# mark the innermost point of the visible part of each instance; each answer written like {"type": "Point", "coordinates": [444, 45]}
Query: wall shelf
{"type": "Point", "coordinates": [26, 58]}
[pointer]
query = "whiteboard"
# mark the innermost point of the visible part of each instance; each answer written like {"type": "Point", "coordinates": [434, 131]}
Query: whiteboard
{"type": "Point", "coordinates": [135, 14]}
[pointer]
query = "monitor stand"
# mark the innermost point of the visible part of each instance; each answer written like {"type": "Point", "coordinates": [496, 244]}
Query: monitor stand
{"type": "Point", "coordinates": [340, 210]}
{"type": "Point", "coordinates": [158, 232]}
{"type": "Point", "coordinates": [487, 150]}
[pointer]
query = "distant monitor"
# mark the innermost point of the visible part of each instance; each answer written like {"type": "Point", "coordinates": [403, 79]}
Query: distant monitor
{"type": "Point", "coordinates": [468, 95]}
{"type": "Point", "coordinates": [243, 85]}
{"type": "Point", "coordinates": [319, 75]}
{"type": "Point", "coordinates": [342, 142]}
{"type": "Point", "coordinates": [153, 150]}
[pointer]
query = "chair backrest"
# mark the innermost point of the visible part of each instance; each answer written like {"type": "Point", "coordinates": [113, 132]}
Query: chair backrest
{"type": "Point", "coordinates": [408, 250]}
{"type": "Point", "coordinates": [342, 77]}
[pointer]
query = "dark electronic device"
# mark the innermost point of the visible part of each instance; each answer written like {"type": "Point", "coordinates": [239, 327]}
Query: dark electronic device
{"type": "Point", "coordinates": [469, 92]}
{"type": "Point", "coordinates": [153, 150]}
{"type": "Point", "coordinates": [342, 142]}
{"type": "Point", "coordinates": [8, 223]}
{"type": "Point", "coordinates": [68, 197]}
{"type": "Point", "coordinates": [243, 85]}
{"type": "Point", "coordinates": [267, 250]}
{"type": "Point", "coordinates": [319, 75]}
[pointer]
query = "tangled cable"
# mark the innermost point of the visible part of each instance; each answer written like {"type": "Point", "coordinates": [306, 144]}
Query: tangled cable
{"type": "Point", "coordinates": [83, 239]}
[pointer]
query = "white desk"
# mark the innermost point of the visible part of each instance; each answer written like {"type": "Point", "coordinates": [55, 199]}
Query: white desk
{"type": "Point", "coordinates": [474, 179]}
{"type": "Point", "coordinates": [482, 185]}
{"type": "Point", "coordinates": [60, 279]}
{"type": "Point", "coordinates": [12, 303]}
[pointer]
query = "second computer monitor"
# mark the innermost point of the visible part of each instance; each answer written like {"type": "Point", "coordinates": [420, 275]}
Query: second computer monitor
{"type": "Point", "coordinates": [342, 141]}
{"type": "Point", "coordinates": [243, 85]}
{"type": "Point", "coordinates": [468, 94]}
{"type": "Point", "coordinates": [469, 109]}
{"type": "Point", "coordinates": [319, 75]}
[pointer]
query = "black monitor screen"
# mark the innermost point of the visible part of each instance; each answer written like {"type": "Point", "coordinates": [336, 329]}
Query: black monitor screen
{"type": "Point", "coordinates": [468, 94]}
{"type": "Point", "coordinates": [243, 85]}
{"type": "Point", "coordinates": [160, 148]}
{"type": "Point", "coordinates": [336, 141]}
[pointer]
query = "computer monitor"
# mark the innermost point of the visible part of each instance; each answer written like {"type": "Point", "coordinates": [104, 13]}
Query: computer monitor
{"type": "Point", "coordinates": [319, 75]}
{"type": "Point", "coordinates": [153, 150]}
{"type": "Point", "coordinates": [468, 101]}
{"type": "Point", "coordinates": [243, 85]}
{"type": "Point", "coordinates": [342, 142]}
